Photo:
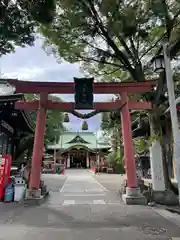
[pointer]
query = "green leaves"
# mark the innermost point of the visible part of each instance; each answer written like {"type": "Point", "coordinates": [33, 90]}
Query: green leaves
{"type": "Point", "coordinates": [115, 160]}
{"type": "Point", "coordinates": [105, 121]}
{"type": "Point", "coordinates": [42, 11]}
{"type": "Point", "coordinates": [140, 145]}
{"type": "Point", "coordinates": [122, 35]}
{"type": "Point", "coordinates": [18, 20]}
{"type": "Point", "coordinates": [54, 119]}
{"type": "Point", "coordinates": [157, 7]}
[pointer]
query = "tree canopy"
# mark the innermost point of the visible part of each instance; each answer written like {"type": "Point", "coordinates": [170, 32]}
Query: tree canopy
{"type": "Point", "coordinates": [19, 20]}
{"type": "Point", "coordinates": [122, 34]}
{"type": "Point", "coordinates": [116, 40]}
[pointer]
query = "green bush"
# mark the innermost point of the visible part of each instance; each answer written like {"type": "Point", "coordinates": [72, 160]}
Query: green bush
{"type": "Point", "coordinates": [115, 160]}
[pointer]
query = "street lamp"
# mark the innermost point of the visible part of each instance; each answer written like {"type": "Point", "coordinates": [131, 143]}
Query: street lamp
{"type": "Point", "coordinates": [158, 63]}
{"type": "Point", "coordinates": [163, 63]}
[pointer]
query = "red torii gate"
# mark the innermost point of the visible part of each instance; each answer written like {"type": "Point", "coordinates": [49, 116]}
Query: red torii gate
{"type": "Point", "coordinates": [45, 88]}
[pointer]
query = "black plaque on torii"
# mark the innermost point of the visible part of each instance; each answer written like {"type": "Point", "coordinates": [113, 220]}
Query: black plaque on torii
{"type": "Point", "coordinates": [83, 93]}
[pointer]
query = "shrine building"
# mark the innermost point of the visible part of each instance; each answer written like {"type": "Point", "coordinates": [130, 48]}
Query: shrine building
{"type": "Point", "coordinates": [15, 125]}
{"type": "Point", "coordinates": [79, 150]}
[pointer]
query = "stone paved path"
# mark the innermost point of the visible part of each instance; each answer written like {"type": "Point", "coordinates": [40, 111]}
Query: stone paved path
{"type": "Point", "coordinates": [82, 188]}
{"type": "Point", "coordinates": [79, 209]}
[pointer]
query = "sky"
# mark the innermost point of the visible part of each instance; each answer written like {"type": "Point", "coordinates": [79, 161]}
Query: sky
{"type": "Point", "coordinates": [33, 64]}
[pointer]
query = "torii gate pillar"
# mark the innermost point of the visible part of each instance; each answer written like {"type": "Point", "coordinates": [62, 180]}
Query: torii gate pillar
{"type": "Point", "coordinates": [133, 195]}
{"type": "Point", "coordinates": [34, 184]}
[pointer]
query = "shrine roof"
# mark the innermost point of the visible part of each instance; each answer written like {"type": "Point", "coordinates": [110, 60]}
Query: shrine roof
{"type": "Point", "coordinates": [8, 96]}
{"type": "Point", "coordinates": [85, 139]}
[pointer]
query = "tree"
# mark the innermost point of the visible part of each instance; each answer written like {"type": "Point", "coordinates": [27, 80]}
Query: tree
{"type": "Point", "coordinates": [54, 119]}
{"type": "Point", "coordinates": [98, 34]}
{"type": "Point", "coordinates": [112, 128]}
{"type": "Point", "coordinates": [19, 20]}
{"type": "Point", "coordinates": [54, 127]}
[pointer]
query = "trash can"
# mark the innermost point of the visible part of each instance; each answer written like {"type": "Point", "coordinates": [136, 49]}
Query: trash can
{"type": "Point", "coordinates": [9, 192]}
{"type": "Point", "coordinates": [59, 170]}
{"type": "Point", "coordinates": [19, 189]}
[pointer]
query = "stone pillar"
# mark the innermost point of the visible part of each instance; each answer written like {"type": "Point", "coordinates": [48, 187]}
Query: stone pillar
{"type": "Point", "coordinates": [68, 161]}
{"type": "Point", "coordinates": [157, 174]}
{"type": "Point", "coordinates": [37, 155]}
{"type": "Point", "coordinates": [87, 159]}
{"type": "Point", "coordinates": [132, 195]}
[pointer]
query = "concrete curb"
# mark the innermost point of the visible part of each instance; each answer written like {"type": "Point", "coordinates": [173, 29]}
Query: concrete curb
{"type": "Point", "coordinates": [173, 210]}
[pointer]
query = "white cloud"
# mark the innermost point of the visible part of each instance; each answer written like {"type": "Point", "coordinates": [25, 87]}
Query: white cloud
{"type": "Point", "coordinates": [24, 73]}
{"type": "Point", "coordinates": [33, 64]}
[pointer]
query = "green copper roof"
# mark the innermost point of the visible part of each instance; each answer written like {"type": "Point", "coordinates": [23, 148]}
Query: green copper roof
{"type": "Point", "coordinates": [78, 139]}
{"type": "Point", "coordinates": [83, 139]}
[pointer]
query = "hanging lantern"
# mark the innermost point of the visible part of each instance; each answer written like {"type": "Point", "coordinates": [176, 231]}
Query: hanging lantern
{"type": "Point", "coordinates": [84, 126]}
{"type": "Point", "coordinates": [66, 118]}
{"type": "Point", "coordinates": [158, 63]}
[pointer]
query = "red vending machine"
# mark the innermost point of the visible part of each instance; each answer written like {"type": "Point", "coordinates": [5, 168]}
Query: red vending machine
{"type": "Point", "coordinates": [5, 171]}
{"type": "Point", "coordinates": [8, 162]}
{"type": "Point", "coordinates": [2, 175]}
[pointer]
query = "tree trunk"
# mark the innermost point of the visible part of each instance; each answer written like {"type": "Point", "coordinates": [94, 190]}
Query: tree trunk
{"type": "Point", "coordinates": [25, 145]}
{"type": "Point", "coordinates": [119, 133]}
{"type": "Point", "coordinates": [166, 170]}
{"type": "Point", "coordinates": [165, 166]}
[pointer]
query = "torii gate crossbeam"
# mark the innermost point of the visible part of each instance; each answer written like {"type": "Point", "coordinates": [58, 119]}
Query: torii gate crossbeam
{"type": "Point", "coordinates": [69, 87]}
